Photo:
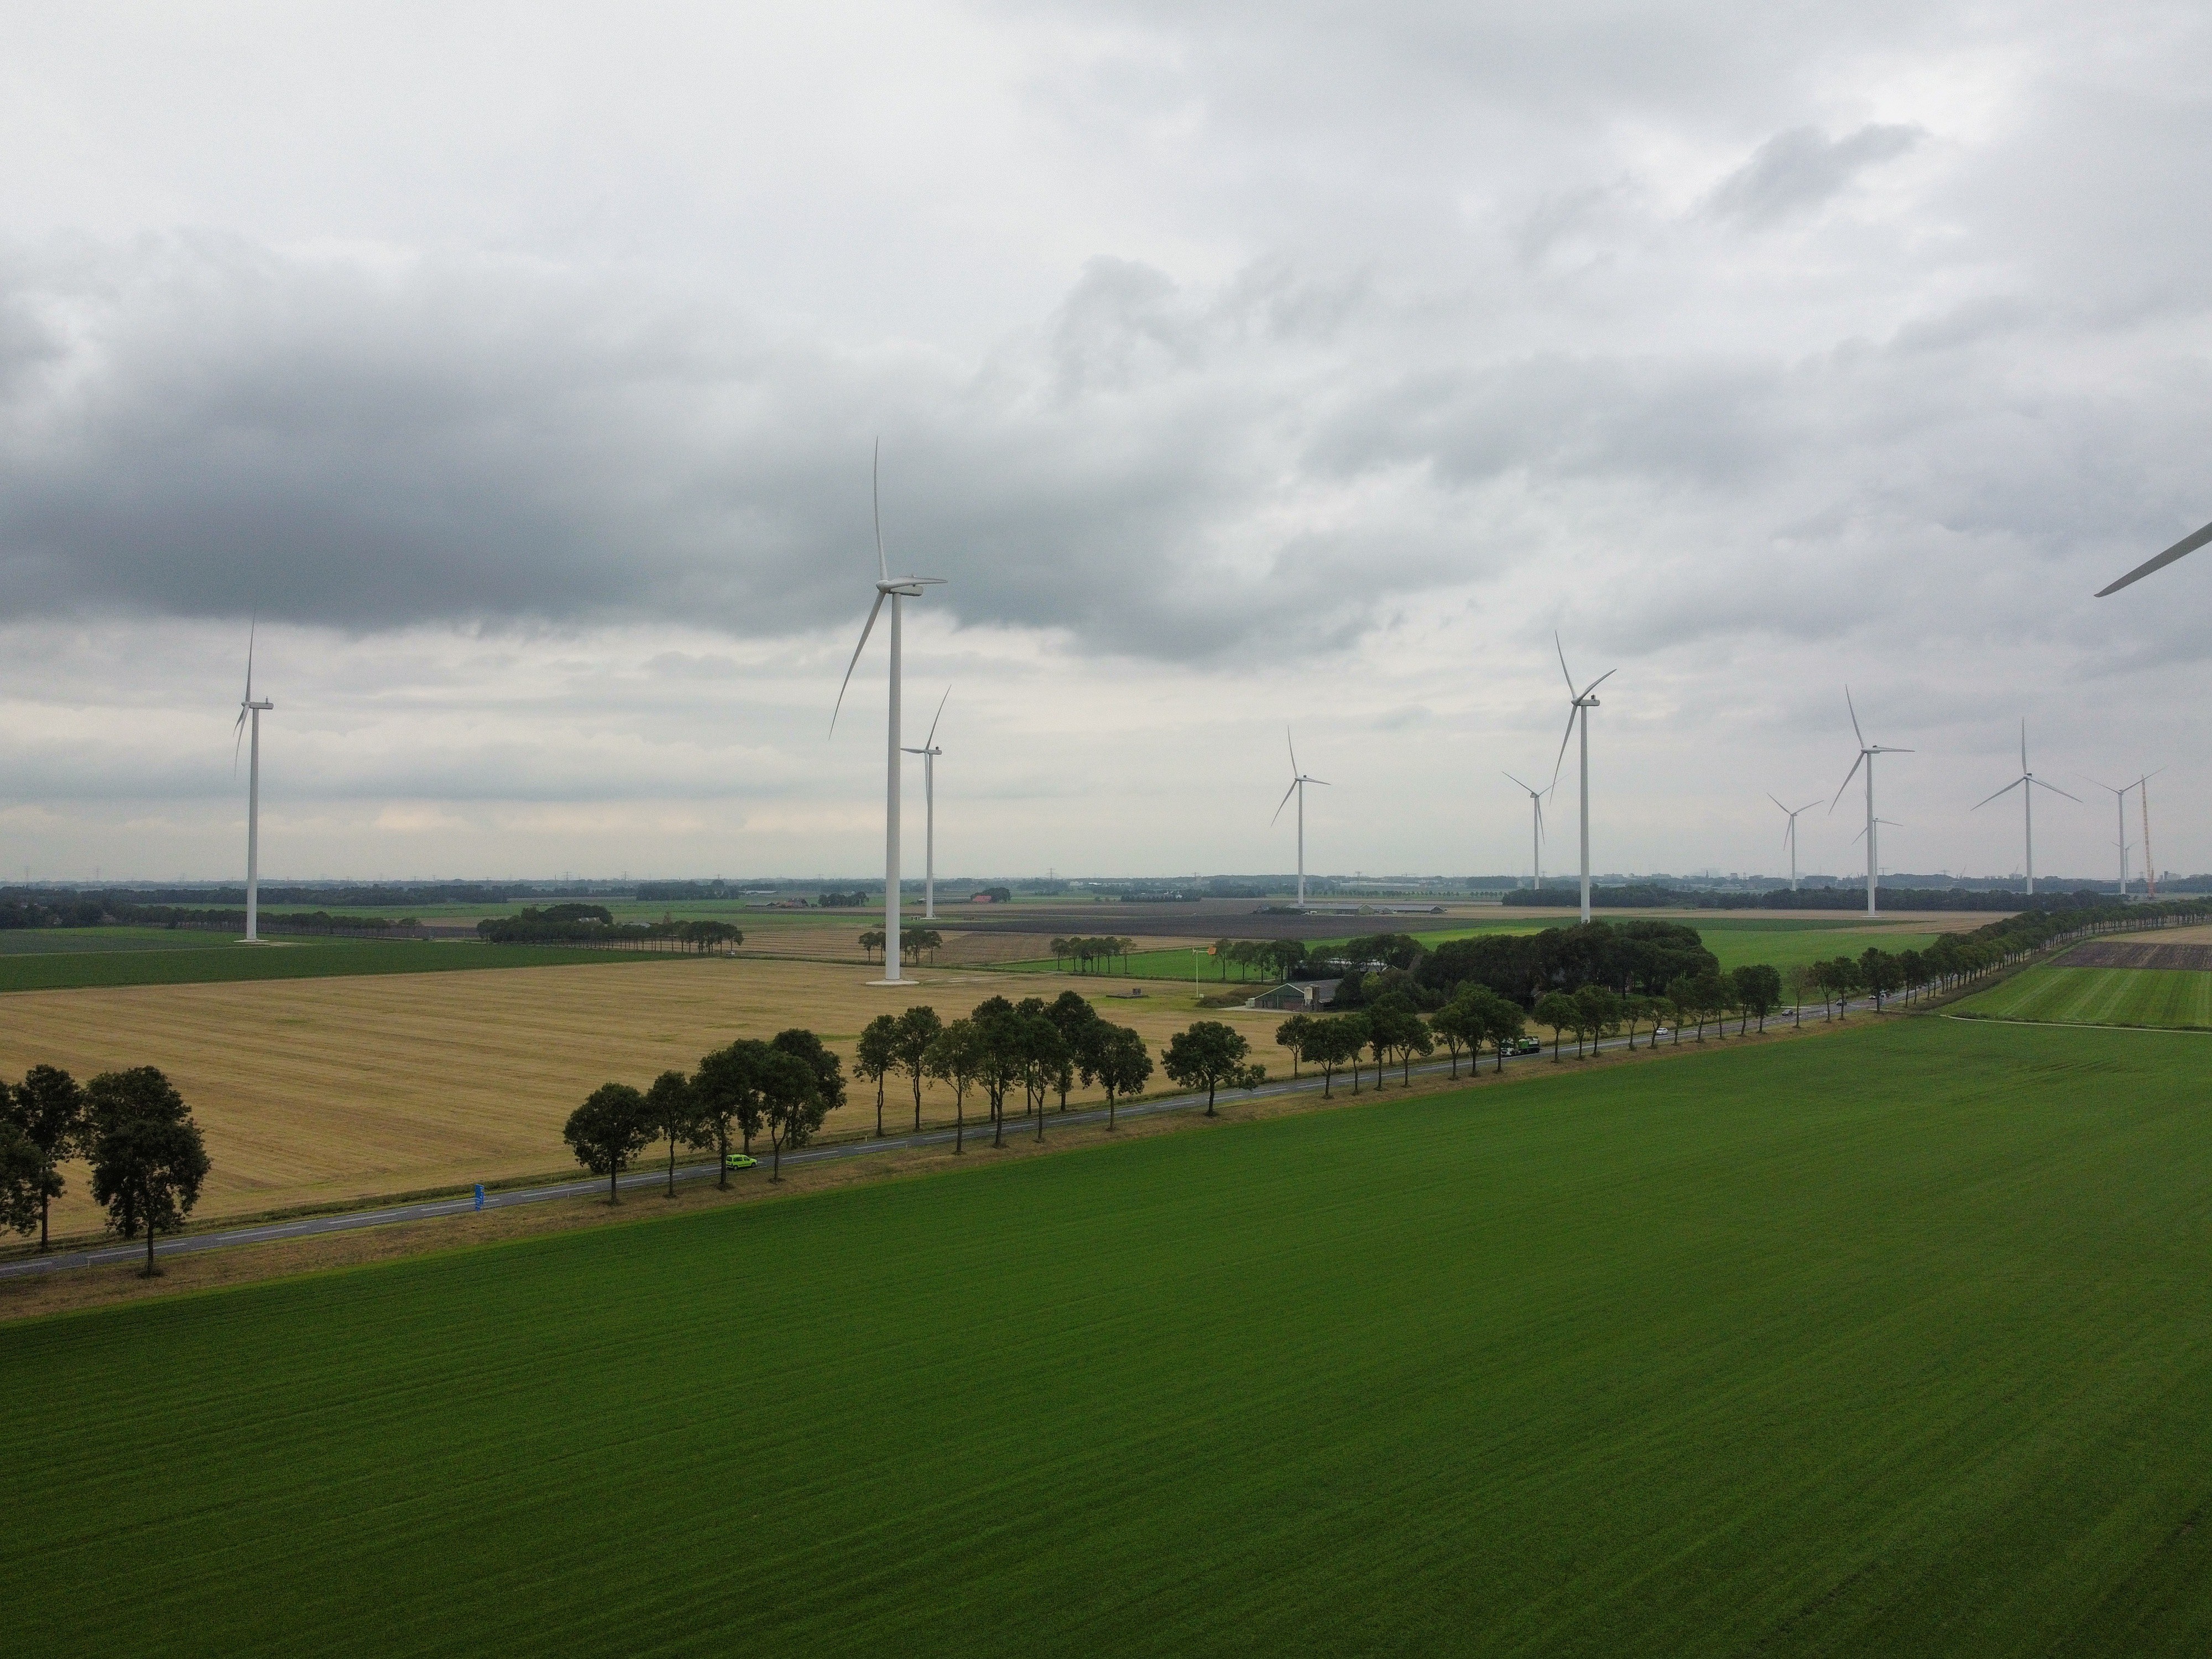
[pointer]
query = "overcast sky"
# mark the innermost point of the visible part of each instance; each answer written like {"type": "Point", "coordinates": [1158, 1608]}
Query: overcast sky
{"type": "Point", "coordinates": [520, 365]}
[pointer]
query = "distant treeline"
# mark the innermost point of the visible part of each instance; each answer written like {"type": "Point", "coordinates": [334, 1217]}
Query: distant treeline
{"type": "Point", "coordinates": [594, 924]}
{"type": "Point", "coordinates": [1651, 896]}
{"type": "Point", "coordinates": [94, 910]}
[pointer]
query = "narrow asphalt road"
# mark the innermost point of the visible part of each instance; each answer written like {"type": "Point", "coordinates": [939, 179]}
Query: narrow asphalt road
{"type": "Point", "coordinates": [222, 1238]}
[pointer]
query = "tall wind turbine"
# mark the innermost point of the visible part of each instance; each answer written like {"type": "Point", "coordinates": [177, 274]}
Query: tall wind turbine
{"type": "Point", "coordinates": [894, 588]}
{"type": "Point", "coordinates": [2186, 544]}
{"type": "Point", "coordinates": [1581, 703]}
{"type": "Point", "coordinates": [1536, 832]}
{"type": "Point", "coordinates": [250, 710]}
{"type": "Point", "coordinates": [2119, 794]}
{"type": "Point", "coordinates": [1299, 782]}
{"type": "Point", "coordinates": [1789, 834]}
{"type": "Point", "coordinates": [1867, 752]}
{"type": "Point", "coordinates": [2027, 783]}
{"type": "Point", "coordinates": [929, 752]}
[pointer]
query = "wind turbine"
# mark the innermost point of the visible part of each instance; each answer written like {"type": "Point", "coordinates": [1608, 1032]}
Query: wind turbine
{"type": "Point", "coordinates": [2027, 783]}
{"type": "Point", "coordinates": [1867, 752]}
{"type": "Point", "coordinates": [2186, 544]}
{"type": "Point", "coordinates": [1789, 834]}
{"type": "Point", "coordinates": [1579, 705]}
{"type": "Point", "coordinates": [250, 710]}
{"type": "Point", "coordinates": [1299, 782]}
{"type": "Point", "coordinates": [894, 588]}
{"type": "Point", "coordinates": [1536, 833]}
{"type": "Point", "coordinates": [2119, 795]}
{"type": "Point", "coordinates": [929, 752]}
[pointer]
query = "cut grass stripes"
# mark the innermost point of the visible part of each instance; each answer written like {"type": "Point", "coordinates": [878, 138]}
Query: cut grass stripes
{"type": "Point", "coordinates": [2173, 998]}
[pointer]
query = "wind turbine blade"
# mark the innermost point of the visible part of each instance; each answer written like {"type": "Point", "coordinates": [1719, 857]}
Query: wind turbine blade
{"type": "Point", "coordinates": [866, 630]}
{"type": "Point", "coordinates": [1599, 681]}
{"type": "Point", "coordinates": [1293, 748]}
{"type": "Point", "coordinates": [1285, 801]}
{"type": "Point", "coordinates": [1853, 707]}
{"type": "Point", "coordinates": [1561, 650]}
{"type": "Point", "coordinates": [876, 502]}
{"type": "Point", "coordinates": [1562, 758]}
{"type": "Point", "coordinates": [1508, 775]}
{"type": "Point", "coordinates": [2056, 790]}
{"type": "Point", "coordinates": [2186, 544]}
{"type": "Point", "coordinates": [1771, 797]}
{"type": "Point", "coordinates": [1848, 776]}
{"type": "Point", "coordinates": [1324, 782]}
{"type": "Point", "coordinates": [930, 742]}
{"type": "Point", "coordinates": [251, 627]}
{"type": "Point", "coordinates": [1806, 807]}
{"type": "Point", "coordinates": [2023, 748]}
{"type": "Point", "coordinates": [2007, 790]}
{"type": "Point", "coordinates": [240, 730]}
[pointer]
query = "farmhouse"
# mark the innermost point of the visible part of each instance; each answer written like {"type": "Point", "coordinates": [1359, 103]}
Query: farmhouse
{"type": "Point", "coordinates": [1298, 994]}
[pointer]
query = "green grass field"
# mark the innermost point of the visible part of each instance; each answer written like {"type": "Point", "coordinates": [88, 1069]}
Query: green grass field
{"type": "Point", "coordinates": [119, 956]}
{"type": "Point", "coordinates": [1737, 943]}
{"type": "Point", "coordinates": [2177, 998]}
{"type": "Point", "coordinates": [1892, 1342]}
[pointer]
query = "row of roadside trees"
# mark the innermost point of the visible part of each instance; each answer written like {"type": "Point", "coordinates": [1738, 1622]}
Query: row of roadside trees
{"type": "Point", "coordinates": [1085, 954]}
{"type": "Point", "coordinates": [784, 1087]}
{"type": "Point", "coordinates": [148, 1160]}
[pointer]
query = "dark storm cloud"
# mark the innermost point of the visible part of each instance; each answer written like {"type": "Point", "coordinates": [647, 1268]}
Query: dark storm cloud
{"type": "Point", "coordinates": [196, 426]}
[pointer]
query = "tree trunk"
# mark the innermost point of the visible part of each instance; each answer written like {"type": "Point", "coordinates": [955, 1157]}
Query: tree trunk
{"type": "Point", "coordinates": [917, 1103]}
{"type": "Point", "coordinates": [671, 1163]}
{"type": "Point", "coordinates": [613, 1197]}
{"type": "Point", "coordinates": [45, 1202]}
{"type": "Point", "coordinates": [150, 1269]}
{"type": "Point", "coordinates": [776, 1158]}
{"type": "Point", "coordinates": [1209, 1100]}
{"type": "Point", "coordinates": [959, 1122]}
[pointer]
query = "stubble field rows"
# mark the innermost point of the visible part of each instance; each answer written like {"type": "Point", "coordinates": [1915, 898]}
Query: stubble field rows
{"type": "Point", "coordinates": [319, 1091]}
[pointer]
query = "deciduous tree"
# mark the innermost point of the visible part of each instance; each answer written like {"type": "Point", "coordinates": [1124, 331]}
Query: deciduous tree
{"type": "Point", "coordinates": [876, 1057]}
{"type": "Point", "coordinates": [608, 1131]}
{"type": "Point", "coordinates": [148, 1158]}
{"type": "Point", "coordinates": [1562, 1013]}
{"type": "Point", "coordinates": [673, 1116]}
{"type": "Point", "coordinates": [955, 1057]}
{"type": "Point", "coordinates": [1122, 1064]}
{"type": "Point", "coordinates": [50, 1107]}
{"type": "Point", "coordinates": [918, 1028]}
{"type": "Point", "coordinates": [1757, 991]}
{"type": "Point", "coordinates": [1211, 1056]}
{"type": "Point", "coordinates": [727, 1090]}
{"type": "Point", "coordinates": [792, 1103]}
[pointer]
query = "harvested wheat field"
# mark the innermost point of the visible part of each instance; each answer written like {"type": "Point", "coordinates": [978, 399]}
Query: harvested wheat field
{"type": "Point", "coordinates": [319, 1091]}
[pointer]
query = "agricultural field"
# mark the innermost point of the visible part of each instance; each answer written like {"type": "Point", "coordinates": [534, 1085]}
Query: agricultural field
{"type": "Point", "coordinates": [326, 1091]}
{"type": "Point", "coordinates": [2177, 998]}
{"type": "Point", "coordinates": [1891, 1341]}
{"type": "Point", "coordinates": [65, 958]}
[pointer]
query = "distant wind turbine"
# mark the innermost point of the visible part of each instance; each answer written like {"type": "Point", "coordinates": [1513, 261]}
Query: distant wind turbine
{"type": "Point", "coordinates": [1789, 834]}
{"type": "Point", "coordinates": [2186, 544]}
{"type": "Point", "coordinates": [2027, 783]}
{"type": "Point", "coordinates": [1299, 782]}
{"type": "Point", "coordinates": [250, 710]}
{"type": "Point", "coordinates": [2119, 794]}
{"type": "Point", "coordinates": [1581, 702]}
{"type": "Point", "coordinates": [894, 588]}
{"type": "Point", "coordinates": [2150, 865]}
{"type": "Point", "coordinates": [1867, 752]}
{"type": "Point", "coordinates": [1537, 831]}
{"type": "Point", "coordinates": [929, 752]}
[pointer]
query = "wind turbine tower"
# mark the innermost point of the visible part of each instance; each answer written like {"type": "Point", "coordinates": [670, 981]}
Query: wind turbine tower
{"type": "Point", "coordinates": [1867, 752]}
{"type": "Point", "coordinates": [2027, 783]}
{"type": "Point", "coordinates": [1581, 702]}
{"type": "Point", "coordinates": [896, 589]}
{"type": "Point", "coordinates": [1299, 782]}
{"type": "Point", "coordinates": [249, 710]}
{"type": "Point", "coordinates": [1535, 832]}
{"type": "Point", "coordinates": [1789, 835]}
{"type": "Point", "coordinates": [929, 752]}
{"type": "Point", "coordinates": [2119, 795]}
